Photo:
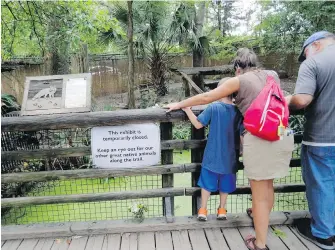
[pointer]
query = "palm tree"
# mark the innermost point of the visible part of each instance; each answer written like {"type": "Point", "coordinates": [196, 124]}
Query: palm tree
{"type": "Point", "coordinates": [158, 26]}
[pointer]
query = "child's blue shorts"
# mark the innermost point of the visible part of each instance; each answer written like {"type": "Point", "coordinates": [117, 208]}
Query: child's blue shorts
{"type": "Point", "coordinates": [213, 182]}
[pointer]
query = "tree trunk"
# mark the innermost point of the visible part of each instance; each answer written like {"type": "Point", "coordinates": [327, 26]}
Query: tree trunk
{"type": "Point", "coordinates": [131, 60]}
{"type": "Point", "coordinates": [58, 49]}
{"type": "Point", "coordinates": [219, 15]}
{"type": "Point", "coordinates": [198, 52]}
{"type": "Point", "coordinates": [79, 61]}
{"type": "Point", "coordinates": [227, 8]}
{"type": "Point", "coordinates": [83, 57]}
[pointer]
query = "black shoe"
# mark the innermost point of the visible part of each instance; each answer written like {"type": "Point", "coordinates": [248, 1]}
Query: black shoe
{"type": "Point", "coordinates": [304, 229]}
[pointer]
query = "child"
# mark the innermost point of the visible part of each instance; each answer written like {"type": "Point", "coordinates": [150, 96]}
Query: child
{"type": "Point", "coordinates": [219, 164]}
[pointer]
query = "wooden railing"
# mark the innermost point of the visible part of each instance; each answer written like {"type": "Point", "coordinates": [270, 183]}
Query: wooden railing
{"type": "Point", "coordinates": [193, 88]}
{"type": "Point", "coordinates": [166, 170]}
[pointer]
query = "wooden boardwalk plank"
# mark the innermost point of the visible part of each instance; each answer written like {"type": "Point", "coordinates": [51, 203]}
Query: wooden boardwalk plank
{"type": "Point", "coordinates": [290, 240]}
{"type": "Point", "coordinates": [180, 240]}
{"type": "Point", "coordinates": [112, 242]}
{"type": "Point", "coordinates": [163, 240]}
{"type": "Point", "coordinates": [129, 241]}
{"type": "Point", "coordinates": [78, 243]}
{"type": "Point", "coordinates": [307, 243]}
{"type": "Point", "coordinates": [95, 242]}
{"type": "Point", "coordinates": [61, 244]}
{"type": "Point", "coordinates": [234, 239]}
{"type": "Point", "coordinates": [215, 239]}
{"type": "Point", "coordinates": [273, 241]}
{"type": "Point", "coordinates": [11, 245]}
{"type": "Point", "coordinates": [146, 241]}
{"type": "Point", "coordinates": [28, 244]}
{"type": "Point", "coordinates": [44, 244]}
{"type": "Point", "coordinates": [198, 239]}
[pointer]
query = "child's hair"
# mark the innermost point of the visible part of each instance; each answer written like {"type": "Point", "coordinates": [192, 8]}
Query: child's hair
{"type": "Point", "coordinates": [223, 80]}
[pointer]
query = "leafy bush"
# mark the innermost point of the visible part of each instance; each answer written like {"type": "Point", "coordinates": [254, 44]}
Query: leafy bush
{"type": "Point", "coordinates": [297, 123]}
{"type": "Point", "coordinates": [181, 131]}
{"type": "Point", "coordinates": [9, 104]}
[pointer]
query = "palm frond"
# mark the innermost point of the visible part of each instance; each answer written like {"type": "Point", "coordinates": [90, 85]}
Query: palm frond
{"type": "Point", "coordinates": [120, 12]}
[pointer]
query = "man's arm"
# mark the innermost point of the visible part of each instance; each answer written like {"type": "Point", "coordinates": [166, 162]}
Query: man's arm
{"type": "Point", "coordinates": [305, 86]}
{"type": "Point", "coordinates": [298, 101]}
{"type": "Point", "coordinates": [193, 118]}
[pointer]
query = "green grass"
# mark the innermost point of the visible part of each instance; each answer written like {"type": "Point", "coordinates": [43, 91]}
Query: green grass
{"type": "Point", "coordinates": [119, 209]}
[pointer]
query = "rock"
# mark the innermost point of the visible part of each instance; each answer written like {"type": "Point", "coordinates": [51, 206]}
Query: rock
{"type": "Point", "coordinates": [282, 74]}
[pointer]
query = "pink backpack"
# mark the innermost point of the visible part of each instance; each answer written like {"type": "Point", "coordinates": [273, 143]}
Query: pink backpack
{"type": "Point", "coordinates": [267, 116]}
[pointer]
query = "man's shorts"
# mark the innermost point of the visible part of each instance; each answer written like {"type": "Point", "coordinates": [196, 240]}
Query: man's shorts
{"type": "Point", "coordinates": [213, 182]}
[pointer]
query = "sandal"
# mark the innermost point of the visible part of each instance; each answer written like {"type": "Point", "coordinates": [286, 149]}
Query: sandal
{"type": "Point", "coordinates": [251, 245]}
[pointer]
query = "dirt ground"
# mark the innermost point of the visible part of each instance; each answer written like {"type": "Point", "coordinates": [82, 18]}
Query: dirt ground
{"type": "Point", "coordinates": [175, 93]}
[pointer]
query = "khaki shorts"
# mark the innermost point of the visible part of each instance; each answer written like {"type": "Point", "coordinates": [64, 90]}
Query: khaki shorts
{"type": "Point", "coordinates": [265, 160]}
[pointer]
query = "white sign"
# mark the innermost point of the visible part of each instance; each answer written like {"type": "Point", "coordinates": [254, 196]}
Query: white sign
{"type": "Point", "coordinates": [75, 93]}
{"type": "Point", "coordinates": [132, 145]}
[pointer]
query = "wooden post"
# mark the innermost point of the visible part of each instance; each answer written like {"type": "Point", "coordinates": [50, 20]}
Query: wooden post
{"type": "Point", "coordinates": [85, 63]}
{"type": "Point", "coordinates": [196, 157]}
{"type": "Point", "coordinates": [198, 79]}
{"type": "Point", "coordinates": [186, 88]}
{"type": "Point", "coordinates": [167, 179]}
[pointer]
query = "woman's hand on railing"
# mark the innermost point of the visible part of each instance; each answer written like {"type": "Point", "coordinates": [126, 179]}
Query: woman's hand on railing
{"type": "Point", "coordinates": [172, 106]}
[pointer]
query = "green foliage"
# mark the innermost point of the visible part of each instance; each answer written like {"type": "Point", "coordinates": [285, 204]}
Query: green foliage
{"type": "Point", "coordinates": [181, 131]}
{"type": "Point", "coordinates": [9, 104]}
{"type": "Point", "coordinates": [138, 211]}
{"type": "Point", "coordinates": [296, 123]}
{"type": "Point", "coordinates": [287, 24]}
{"type": "Point", "coordinates": [225, 47]}
{"type": "Point", "coordinates": [109, 107]}
{"type": "Point", "coordinates": [30, 28]}
{"type": "Point", "coordinates": [279, 233]}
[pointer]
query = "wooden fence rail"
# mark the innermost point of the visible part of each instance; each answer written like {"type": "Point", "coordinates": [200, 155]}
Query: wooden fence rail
{"type": "Point", "coordinates": [92, 119]}
{"type": "Point", "coordinates": [124, 195]}
{"type": "Point", "coordinates": [107, 173]}
{"type": "Point", "coordinates": [81, 151]}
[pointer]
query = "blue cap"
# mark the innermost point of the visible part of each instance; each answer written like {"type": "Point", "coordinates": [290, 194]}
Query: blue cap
{"type": "Point", "coordinates": [316, 36]}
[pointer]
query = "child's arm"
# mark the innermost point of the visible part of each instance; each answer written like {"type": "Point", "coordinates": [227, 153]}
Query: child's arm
{"type": "Point", "coordinates": [193, 118]}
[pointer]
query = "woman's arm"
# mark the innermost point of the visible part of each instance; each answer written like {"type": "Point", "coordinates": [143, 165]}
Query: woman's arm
{"type": "Point", "coordinates": [227, 88]}
{"type": "Point", "coordinates": [193, 118]}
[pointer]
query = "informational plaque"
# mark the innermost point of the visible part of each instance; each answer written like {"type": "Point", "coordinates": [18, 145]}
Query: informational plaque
{"type": "Point", "coordinates": [57, 94]}
{"type": "Point", "coordinates": [131, 145]}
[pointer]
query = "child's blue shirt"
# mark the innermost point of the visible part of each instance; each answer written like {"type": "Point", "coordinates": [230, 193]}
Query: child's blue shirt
{"type": "Point", "coordinates": [225, 126]}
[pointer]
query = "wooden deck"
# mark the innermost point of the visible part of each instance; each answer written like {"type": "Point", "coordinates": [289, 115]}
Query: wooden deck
{"type": "Point", "coordinates": [196, 239]}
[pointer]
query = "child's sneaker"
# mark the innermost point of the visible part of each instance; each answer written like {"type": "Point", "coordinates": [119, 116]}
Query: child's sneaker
{"type": "Point", "coordinates": [222, 214]}
{"type": "Point", "coordinates": [202, 214]}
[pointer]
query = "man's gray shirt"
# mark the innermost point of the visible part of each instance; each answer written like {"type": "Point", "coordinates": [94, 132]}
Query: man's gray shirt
{"type": "Point", "coordinates": [317, 78]}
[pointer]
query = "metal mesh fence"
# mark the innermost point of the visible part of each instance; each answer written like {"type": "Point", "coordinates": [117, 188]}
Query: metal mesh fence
{"type": "Point", "coordinates": [102, 210]}
{"type": "Point", "coordinates": [88, 211]}
{"type": "Point", "coordinates": [283, 201]}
